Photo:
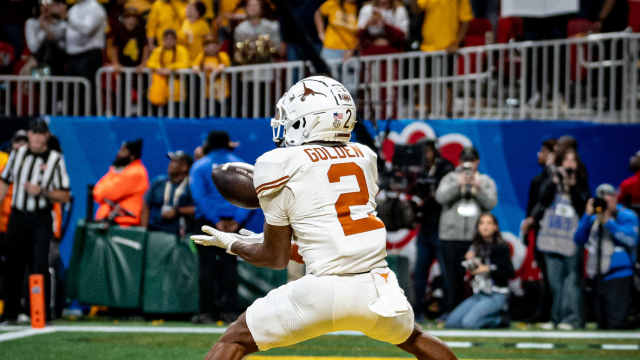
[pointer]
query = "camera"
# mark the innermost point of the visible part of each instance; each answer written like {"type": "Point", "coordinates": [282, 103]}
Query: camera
{"type": "Point", "coordinates": [471, 264]}
{"type": "Point", "coordinates": [467, 169]}
{"type": "Point", "coordinates": [599, 205]}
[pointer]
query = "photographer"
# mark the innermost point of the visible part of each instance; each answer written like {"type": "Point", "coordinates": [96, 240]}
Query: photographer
{"type": "Point", "coordinates": [610, 232]}
{"type": "Point", "coordinates": [428, 244]}
{"type": "Point", "coordinates": [464, 194]}
{"type": "Point", "coordinates": [489, 262]}
{"type": "Point", "coordinates": [563, 197]}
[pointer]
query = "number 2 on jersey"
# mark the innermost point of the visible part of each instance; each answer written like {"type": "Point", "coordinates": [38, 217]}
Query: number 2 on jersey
{"type": "Point", "coordinates": [345, 200]}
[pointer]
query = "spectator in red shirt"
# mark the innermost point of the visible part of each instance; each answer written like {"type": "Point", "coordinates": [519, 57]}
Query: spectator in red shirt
{"type": "Point", "coordinates": [629, 194]}
{"type": "Point", "coordinates": [382, 27]}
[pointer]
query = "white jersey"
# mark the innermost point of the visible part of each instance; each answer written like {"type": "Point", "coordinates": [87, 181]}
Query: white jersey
{"type": "Point", "coordinates": [327, 195]}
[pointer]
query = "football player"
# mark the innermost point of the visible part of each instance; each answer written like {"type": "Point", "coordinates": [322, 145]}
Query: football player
{"type": "Point", "coordinates": [318, 189]}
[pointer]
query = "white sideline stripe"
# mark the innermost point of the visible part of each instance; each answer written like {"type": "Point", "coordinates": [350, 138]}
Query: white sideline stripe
{"type": "Point", "coordinates": [459, 344]}
{"type": "Point", "coordinates": [25, 333]}
{"type": "Point", "coordinates": [516, 334]}
{"type": "Point", "coordinates": [620, 347]}
{"type": "Point", "coordinates": [142, 329]}
{"type": "Point", "coordinates": [441, 333]}
{"type": "Point", "coordinates": [534, 346]}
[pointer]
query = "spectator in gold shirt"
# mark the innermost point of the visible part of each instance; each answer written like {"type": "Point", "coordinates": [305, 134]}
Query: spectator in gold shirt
{"type": "Point", "coordinates": [444, 27]}
{"type": "Point", "coordinates": [212, 61]}
{"type": "Point", "coordinates": [193, 29]}
{"type": "Point", "coordinates": [445, 24]}
{"type": "Point", "coordinates": [340, 37]}
{"type": "Point", "coordinates": [164, 61]}
{"type": "Point", "coordinates": [164, 14]}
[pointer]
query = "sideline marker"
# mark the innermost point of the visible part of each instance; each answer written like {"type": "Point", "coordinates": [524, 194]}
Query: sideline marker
{"type": "Point", "coordinates": [36, 294]}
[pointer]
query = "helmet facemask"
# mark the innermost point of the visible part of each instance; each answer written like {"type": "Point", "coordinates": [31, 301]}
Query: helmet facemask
{"type": "Point", "coordinates": [278, 124]}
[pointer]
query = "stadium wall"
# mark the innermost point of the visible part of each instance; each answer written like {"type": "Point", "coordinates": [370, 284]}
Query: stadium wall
{"type": "Point", "coordinates": [507, 150]}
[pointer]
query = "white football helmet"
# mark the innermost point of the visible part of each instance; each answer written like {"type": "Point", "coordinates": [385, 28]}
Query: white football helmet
{"type": "Point", "coordinates": [317, 108]}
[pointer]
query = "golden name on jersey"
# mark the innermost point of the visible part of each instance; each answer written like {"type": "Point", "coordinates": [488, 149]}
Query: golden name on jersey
{"type": "Point", "coordinates": [333, 152]}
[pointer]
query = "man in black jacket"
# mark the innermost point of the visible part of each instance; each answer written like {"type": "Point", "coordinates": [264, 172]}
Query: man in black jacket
{"type": "Point", "coordinates": [545, 159]}
{"type": "Point", "coordinates": [428, 244]}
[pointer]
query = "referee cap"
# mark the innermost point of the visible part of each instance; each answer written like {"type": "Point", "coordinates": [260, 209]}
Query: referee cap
{"type": "Point", "coordinates": [38, 125]}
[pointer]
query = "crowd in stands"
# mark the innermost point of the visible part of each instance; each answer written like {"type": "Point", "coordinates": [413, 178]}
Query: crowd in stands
{"type": "Point", "coordinates": [75, 37]}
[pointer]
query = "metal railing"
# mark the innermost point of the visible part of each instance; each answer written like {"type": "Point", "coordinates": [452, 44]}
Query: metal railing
{"type": "Point", "coordinates": [238, 91]}
{"type": "Point", "coordinates": [593, 78]}
{"type": "Point", "coordinates": [50, 95]}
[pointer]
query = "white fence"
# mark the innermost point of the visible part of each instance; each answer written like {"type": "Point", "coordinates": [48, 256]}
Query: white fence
{"type": "Point", "coordinates": [50, 95]}
{"type": "Point", "coordinates": [238, 91]}
{"type": "Point", "coordinates": [594, 78]}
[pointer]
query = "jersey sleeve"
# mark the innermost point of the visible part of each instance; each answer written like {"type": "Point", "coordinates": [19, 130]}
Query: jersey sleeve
{"type": "Point", "coordinates": [271, 173]}
{"type": "Point", "coordinates": [276, 207]}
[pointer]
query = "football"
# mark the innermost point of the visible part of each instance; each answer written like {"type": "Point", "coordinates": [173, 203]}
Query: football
{"type": "Point", "coordinates": [234, 181]}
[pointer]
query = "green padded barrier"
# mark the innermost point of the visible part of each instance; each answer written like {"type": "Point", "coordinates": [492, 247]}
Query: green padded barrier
{"type": "Point", "coordinates": [111, 267]}
{"type": "Point", "coordinates": [170, 275]}
{"type": "Point", "coordinates": [400, 265]}
{"type": "Point", "coordinates": [74, 263]}
{"type": "Point", "coordinates": [255, 282]}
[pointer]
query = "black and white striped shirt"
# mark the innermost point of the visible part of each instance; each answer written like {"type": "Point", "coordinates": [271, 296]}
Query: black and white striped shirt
{"type": "Point", "coordinates": [46, 170]}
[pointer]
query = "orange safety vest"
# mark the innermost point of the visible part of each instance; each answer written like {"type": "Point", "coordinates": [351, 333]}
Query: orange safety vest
{"type": "Point", "coordinates": [56, 214]}
{"type": "Point", "coordinates": [125, 188]}
{"type": "Point", "coordinates": [5, 204]}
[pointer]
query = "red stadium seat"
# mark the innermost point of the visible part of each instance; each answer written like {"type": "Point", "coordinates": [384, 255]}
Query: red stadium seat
{"type": "Point", "coordinates": [577, 28]}
{"type": "Point", "coordinates": [634, 15]}
{"type": "Point", "coordinates": [476, 36]}
{"type": "Point", "coordinates": [509, 28]}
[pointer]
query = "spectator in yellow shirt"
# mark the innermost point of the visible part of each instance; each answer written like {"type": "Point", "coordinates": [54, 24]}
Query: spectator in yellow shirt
{"type": "Point", "coordinates": [212, 61]}
{"type": "Point", "coordinates": [143, 6]}
{"type": "Point", "coordinates": [164, 14]}
{"type": "Point", "coordinates": [166, 59]}
{"type": "Point", "coordinates": [193, 29]}
{"type": "Point", "coordinates": [444, 27]}
{"type": "Point", "coordinates": [445, 24]}
{"type": "Point", "coordinates": [340, 38]}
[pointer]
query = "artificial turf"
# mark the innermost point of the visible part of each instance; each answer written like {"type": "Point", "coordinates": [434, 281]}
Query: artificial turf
{"type": "Point", "coordinates": [160, 346]}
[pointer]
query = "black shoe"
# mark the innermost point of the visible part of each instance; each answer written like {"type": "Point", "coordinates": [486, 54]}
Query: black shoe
{"type": "Point", "coordinates": [202, 319]}
{"type": "Point", "coordinates": [196, 319]}
{"type": "Point", "coordinates": [8, 322]}
{"type": "Point", "coordinates": [206, 319]}
{"type": "Point", "coordinates": [228, 317]}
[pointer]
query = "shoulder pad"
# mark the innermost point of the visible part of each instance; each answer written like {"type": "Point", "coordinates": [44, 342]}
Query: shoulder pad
{"type": "Point", "coordinates": [272, 171]}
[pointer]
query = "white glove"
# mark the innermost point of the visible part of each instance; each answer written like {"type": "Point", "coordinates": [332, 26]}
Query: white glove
{"type": "Point", "coordinates": [251, 237]}
{"type": "Point", "coordinates": [224, 239]}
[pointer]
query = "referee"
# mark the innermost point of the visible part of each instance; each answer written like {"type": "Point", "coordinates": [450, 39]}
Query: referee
{"type": "Point", "coordinates": [40, 178]}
